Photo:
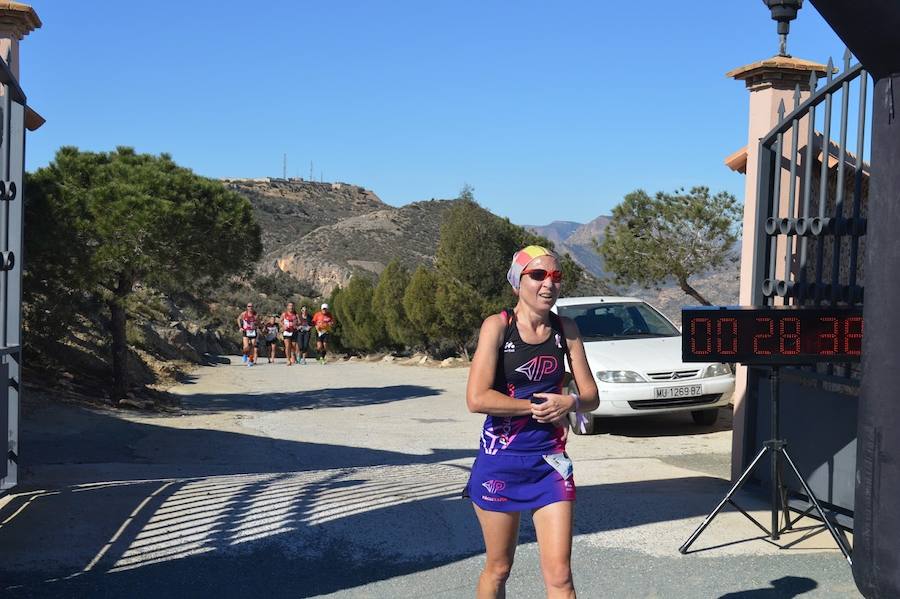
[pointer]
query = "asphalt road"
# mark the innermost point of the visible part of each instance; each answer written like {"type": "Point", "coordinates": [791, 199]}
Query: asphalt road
{"type": "Point", "coordinates": [343, 480]}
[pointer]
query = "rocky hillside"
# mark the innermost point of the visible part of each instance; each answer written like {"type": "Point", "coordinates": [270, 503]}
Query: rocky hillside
{"type": "Point", "coordinates": [720, 287]}
{"type": "Point", "coordinates": [329, 255]}
{"type": "Point", "coordinates": [288, 209]}
{"type": "Point", "coordinates": [322, 234]}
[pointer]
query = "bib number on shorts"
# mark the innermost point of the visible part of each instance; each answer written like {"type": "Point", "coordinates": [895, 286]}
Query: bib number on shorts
{"type": "Point", "coordinates": [288, 334]}
{"type": "Point", "coordinates": [561, 463]}
{"type": "Point", "coordinates": [251, 334]}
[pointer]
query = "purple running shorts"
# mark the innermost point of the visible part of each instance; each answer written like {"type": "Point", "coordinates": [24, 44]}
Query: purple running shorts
{"type": "Point", "coordinates": [514, 483]}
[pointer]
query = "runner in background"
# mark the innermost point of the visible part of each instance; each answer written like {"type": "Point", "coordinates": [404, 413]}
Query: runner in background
{"type": "Point", "coordinates": [289, 320]}
{"type": "Point", "coordinates": [247, 325]}
{"type": "Point", "coordinates": [272, 336]}
{"type": "Point", "coordinates": [324, 323]}
{"type": "Point", "coordinates": [305, 327]}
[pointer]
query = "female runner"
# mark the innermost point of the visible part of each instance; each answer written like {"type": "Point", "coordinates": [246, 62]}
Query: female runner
{"type": "Point", "coordinates": [516, 379]}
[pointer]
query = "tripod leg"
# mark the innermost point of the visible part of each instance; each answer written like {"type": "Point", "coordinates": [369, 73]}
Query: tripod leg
{"type": "Point", "coordinates": [812, 498]}
{"type": "Point", "coordinates": [783, 497]}
{"type": "Point", "coordinates": [784, 502]}
{"type": "Point", "coordinates": [706, 522]}
{"type": "Point", "coordinates": [776, 495]}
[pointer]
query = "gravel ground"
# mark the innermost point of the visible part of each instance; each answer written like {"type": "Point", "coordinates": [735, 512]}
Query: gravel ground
{"type": "Point", "coordinates": [343, 480]}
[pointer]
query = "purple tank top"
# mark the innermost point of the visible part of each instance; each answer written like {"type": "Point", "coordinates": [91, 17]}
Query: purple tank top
{"type": "Point", "coordinates": [524, 369]}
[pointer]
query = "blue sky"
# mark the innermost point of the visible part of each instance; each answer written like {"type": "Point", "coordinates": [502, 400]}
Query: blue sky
{"type": "Point", "coordinates": [551, 111]}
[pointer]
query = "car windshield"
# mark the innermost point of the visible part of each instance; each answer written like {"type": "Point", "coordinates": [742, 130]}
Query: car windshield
{"type": "Point", "coordinates": [633, 320]}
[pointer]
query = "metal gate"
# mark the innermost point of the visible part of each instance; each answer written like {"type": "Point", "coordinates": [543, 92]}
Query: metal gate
{"type": "Point", "coordinates": [12, 168]}
{"type": "Point", "coordinates": [809, 250]}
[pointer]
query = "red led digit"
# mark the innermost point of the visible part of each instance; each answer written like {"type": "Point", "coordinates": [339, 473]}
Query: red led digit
{"type": "Point", "coordinates": [759, 337]}
{"type": "Point", "coordinates": [828, 342]}
{"type": "Point", "coordinates": [792, 337]}
{"type": "Point", "coordinates": [853, 338]}
{"type": "Point", "coordinates": [733, 346]}
{"type": "Point", "coordinates": [708, 345]}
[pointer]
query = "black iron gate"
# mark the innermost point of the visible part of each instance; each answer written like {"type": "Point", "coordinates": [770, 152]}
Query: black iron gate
{"type": "Point", "coordinates": [808, 250]}
{"type": "Point", "coordinates": [12, 168]}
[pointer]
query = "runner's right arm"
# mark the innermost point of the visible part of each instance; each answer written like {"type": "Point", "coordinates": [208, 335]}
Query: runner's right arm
{"type": "Point", "coordinates": [481, 398]}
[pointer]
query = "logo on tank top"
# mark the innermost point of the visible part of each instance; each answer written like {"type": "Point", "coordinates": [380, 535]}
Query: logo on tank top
{"type": "Point", "coordinates": [538, 367]}
{"type": "Point", "coordinates": [509, 347]}
{"type": "Point", "coordinates": [494, 486]}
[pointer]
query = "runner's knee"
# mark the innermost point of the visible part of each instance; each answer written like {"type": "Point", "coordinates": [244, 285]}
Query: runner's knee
{"type": "Point", "coordinates": [558, 575]}
{"type": "Point", "coordinates": [498, 570]}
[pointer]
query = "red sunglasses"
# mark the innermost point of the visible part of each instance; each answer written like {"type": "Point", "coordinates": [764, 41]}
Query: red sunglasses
{"type": "Point", "coordinates": [539, 274]}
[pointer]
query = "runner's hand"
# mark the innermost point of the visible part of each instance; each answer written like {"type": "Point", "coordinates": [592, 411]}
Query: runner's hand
{"type": "Point", "coordinates": [554, 408]}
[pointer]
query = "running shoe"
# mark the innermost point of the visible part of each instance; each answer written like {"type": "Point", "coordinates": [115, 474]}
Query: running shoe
{"type": "Point", "coordinates": [245, 358]}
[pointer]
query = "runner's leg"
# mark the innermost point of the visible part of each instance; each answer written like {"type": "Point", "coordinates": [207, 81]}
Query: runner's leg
{"type": "Point", "coordinates": [304, 341]}
{"type": "Point", "coordinates": [553, 525]}
{"type": "Point", "coordinates": [501, 534]}
{"type": "Point", "coordinates": [246, 345]}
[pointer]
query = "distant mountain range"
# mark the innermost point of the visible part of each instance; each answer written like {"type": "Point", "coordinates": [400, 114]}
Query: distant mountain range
{"type": "Point", "coordinates": [577, 240]}
{"type": "Point", "coordinates": [580, 240]}
{"type": "Point", "coordinates": [325, 233]}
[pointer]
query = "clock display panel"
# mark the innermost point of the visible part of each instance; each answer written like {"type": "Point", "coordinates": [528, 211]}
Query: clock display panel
{"type": "Point", "coordinates": [772, 335]}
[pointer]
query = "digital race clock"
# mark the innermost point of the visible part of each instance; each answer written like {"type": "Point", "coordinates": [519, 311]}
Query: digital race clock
{"type": "Point", "coordinates": [771, 335]}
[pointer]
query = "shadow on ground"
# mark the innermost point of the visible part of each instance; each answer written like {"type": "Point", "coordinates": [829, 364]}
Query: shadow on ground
{"type": "Point", "coordinates": [675, 424]}
{"type": "Point", "coordinates": [782, 588]}
{"type": "Point", "coordinates": [343, 397]}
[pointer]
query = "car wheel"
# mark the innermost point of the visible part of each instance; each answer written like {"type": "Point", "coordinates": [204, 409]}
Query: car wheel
{"type": "Point", "coordinates": [589, 428]}
{"type": "Point", "coordinates": [705, 417]}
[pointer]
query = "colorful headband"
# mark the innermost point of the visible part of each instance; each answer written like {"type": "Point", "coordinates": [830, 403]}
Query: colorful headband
{"type": "Point", "coordinates": [521, 259]}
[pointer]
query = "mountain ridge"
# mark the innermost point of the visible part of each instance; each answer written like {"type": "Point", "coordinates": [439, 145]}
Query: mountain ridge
{"type": "Point", "coordinates": [325, 233]}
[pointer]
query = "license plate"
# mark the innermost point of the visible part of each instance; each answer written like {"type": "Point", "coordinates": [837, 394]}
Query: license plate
{"type": "Point", "coordinates": [676, 392]}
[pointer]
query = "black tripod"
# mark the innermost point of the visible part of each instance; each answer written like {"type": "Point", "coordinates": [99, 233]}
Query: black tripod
{"type": "Point", "coordinates": [778, 448]}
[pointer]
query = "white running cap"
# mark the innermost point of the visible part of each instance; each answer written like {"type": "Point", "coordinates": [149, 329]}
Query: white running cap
{"type": "Point", "coordinates": [324, 306]}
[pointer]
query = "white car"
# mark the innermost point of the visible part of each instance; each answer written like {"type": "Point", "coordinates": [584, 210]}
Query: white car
{"type": "Point", "coordinates": [634, 353]}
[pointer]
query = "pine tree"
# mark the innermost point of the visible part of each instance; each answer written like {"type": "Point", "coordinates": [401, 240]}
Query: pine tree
{"type": "Point", "coordinates": [141, 218]}
{"type": "Point", "coordinates": [387, 304]}
{"type": "Point", "coordinates": [461, 311]}
{"type": "Point", "coordinates": [419, 303]}
{"type": "Point", "coordinates": [650, 240]}
{"type": "Point", "coordinates": [361, 330]}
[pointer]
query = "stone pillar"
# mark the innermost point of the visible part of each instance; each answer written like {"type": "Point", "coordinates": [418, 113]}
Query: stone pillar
{"type": "Point", "coordinates": [769, 82]}
{"type": "Point", "coordinates": [16, 21]}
